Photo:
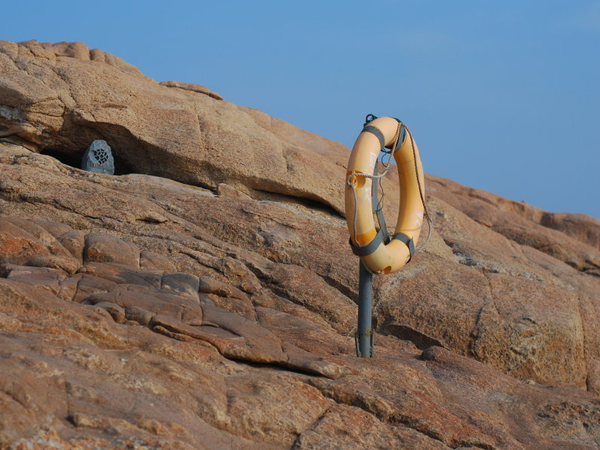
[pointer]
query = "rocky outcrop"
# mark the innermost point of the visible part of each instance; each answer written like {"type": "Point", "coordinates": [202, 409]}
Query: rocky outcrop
{"type": "Point", "coordinates": [122, 293]}
{"type": "Point", "coordinates": [61, 97]}
{"type": "Point", "coordinates": [571, 238]}
{"type": "Point", "coordinates": [209, 302]}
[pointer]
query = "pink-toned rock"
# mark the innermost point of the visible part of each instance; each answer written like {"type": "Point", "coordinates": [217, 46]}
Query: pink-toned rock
{"type": "Point", "coordinates": [572, 239]}
{"type": "Point", "coordinates": [40, 277]}
{"type": "Point", "coordinates": [43, 236]}
{"type": "Point", "coordinates": [67, 264]}
{"type": "Point", "coordinates": [74, 241]}
{"type": "Point", "coordinates": [262, 408]}
{"type": "Point", "coordinates": [191, 87]}
{"type": "Point", "coordinates": [153, 261]}
{"type": "Point", "coordinates": [181, 283]}
{"type": "Point", "coordinates": [583, 228]}
{"type": "Point", "coordinates": [86, 285]}
{"type": "Point", "coordinates": [123, 274]}
{"type": "Point", "coordinates": [18, 246]}
{"type": "Point", "coordinates": [105, 248]}
{"type": "Point", "coordinates": [225, 191]}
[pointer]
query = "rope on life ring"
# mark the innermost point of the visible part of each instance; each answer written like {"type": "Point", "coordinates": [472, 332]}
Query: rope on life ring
{"type": "Point", "coordinates": [379, 252]}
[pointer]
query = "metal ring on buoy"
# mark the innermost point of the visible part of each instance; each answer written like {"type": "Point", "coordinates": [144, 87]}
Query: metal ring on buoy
{"type": "Point", "coordinates": [367, 242]}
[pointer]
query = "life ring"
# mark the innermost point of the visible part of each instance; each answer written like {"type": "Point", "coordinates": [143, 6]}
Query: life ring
{"type": "Point", "coordinates": [378, 252]}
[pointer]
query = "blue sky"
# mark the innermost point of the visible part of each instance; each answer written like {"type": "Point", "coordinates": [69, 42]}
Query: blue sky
{"type": "Point", "coordinates": [501, 96]}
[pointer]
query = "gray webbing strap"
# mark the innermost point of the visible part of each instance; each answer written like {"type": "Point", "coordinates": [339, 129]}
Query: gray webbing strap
{"type": "Point", "coordinates": [379, 135]}
{"type": "Point", "coordinates": [407, 241]}
{"type": "Point", "coordinates": [369, 248]}
{"type": "Point", "coordinates": [376, 132]}
{"type": "Point", "coordinates": [376, 206]}
{"type": "Point", "coordinates": [401, 137]}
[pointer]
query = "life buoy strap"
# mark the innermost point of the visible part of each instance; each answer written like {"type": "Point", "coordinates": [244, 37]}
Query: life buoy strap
{"type": "Point", "coordinates": [409, 242]}
{"type": "Point", "coordinates": [378, 206]}
{"type": "Point", "coordinates": [381, 138]}
{"type": "Point", "coordinates": [376, 132]}
{"type": "Point", "coordinates": [366, 250]}
{"type": "Point", "coordinates": [401, 137]}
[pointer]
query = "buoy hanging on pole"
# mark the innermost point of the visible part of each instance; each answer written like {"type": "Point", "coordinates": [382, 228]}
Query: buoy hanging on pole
{"type": "Point", "coordinates": [367, 241]}
{"type": "Point", "coordinates": [380, 253]}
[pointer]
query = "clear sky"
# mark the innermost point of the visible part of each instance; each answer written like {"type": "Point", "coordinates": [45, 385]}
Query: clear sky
{"type": "Point", "coordinates": [500, 95]}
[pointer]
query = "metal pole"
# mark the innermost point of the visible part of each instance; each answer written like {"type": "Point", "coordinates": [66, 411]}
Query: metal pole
{"type": "Point", "coordinates": [364, 335]}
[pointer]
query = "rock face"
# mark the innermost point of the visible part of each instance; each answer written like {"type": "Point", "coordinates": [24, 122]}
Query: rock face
{"type": "Point", "coordinates": [62, 97]}
{"type": "Point", "coordinates": [207, 300]}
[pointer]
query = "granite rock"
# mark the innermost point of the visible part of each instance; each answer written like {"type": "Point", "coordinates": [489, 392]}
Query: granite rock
{"type": "Point", "coordinates": [209, 301]}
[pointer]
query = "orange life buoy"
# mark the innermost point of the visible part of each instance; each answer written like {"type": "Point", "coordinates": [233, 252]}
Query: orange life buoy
{"type": "Point", "coordinates": [366, 240]}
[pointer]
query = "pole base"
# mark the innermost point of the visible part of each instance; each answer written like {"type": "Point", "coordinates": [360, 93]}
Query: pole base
{"type": "Point", "coordinates": [364, 341]}
{"type": "Point", "coordinates": [364, 333]}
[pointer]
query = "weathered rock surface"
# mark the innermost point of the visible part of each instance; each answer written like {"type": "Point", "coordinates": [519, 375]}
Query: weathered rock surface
{"type": "Point", "coordinates": [207, 301]}
{"type": "Point", "coordinates": [61, 97]}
